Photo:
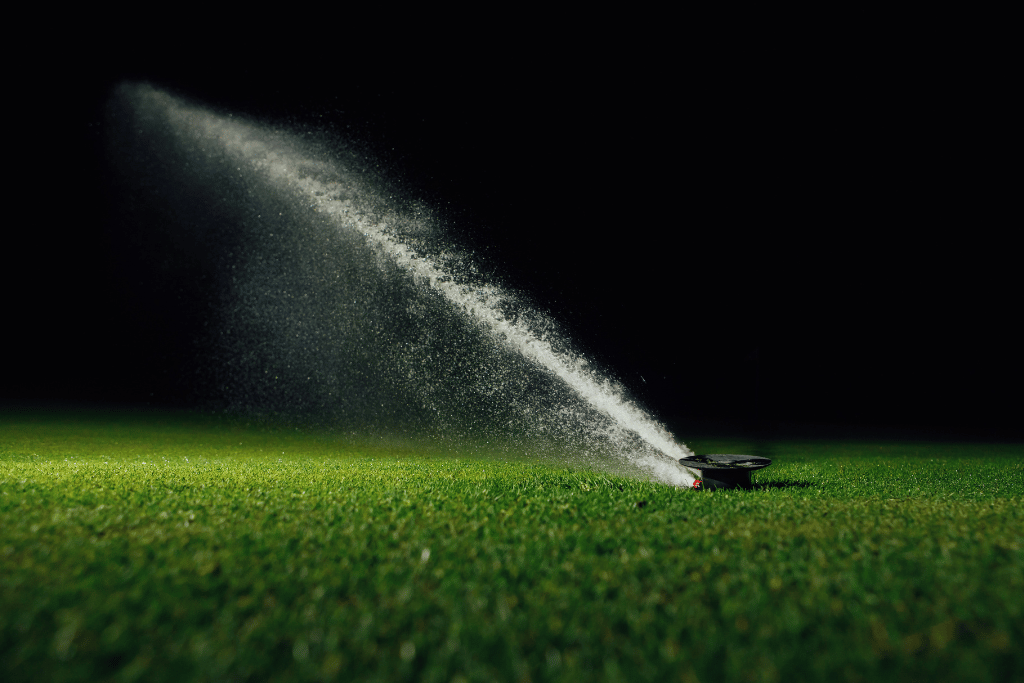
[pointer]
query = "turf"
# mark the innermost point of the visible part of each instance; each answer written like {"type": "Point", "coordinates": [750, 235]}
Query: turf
{"type": "Point", "coordinates": [177, 548]}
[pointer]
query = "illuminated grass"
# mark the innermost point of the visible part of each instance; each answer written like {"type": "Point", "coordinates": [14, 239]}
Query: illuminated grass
{"type": "Point", "coordinates": [173, 548]}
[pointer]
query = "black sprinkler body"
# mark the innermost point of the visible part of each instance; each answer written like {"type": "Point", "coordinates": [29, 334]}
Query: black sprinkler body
{"type": "Point", "coordinates": [719, 471]}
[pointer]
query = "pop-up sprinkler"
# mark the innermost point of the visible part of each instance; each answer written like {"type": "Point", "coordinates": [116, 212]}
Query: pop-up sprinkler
{"type": "Point", "coordinates": [724, 471]}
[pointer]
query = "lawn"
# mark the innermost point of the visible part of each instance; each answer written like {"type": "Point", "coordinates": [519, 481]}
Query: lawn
{"type": "Point", "coordinates": [174, 547]}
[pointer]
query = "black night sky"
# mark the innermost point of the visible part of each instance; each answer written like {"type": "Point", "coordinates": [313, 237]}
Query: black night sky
{"type": "Point", "coordinates": [800, 244]}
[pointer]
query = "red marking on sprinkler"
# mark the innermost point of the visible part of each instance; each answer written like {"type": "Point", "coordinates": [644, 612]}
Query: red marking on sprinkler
{"type": "Point", "coordinates": [697, 483]}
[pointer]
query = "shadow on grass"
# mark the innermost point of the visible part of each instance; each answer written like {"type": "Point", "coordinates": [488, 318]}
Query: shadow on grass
{"type": "Point", "coordinates": [785, 484]}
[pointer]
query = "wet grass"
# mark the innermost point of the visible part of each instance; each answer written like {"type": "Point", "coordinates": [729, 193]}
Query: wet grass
{"type": "Point", "coordinates": [170, 547]}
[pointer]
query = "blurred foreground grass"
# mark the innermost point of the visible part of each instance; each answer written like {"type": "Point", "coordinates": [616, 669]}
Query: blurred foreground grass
{"type": "Point", "coordinates": [174, 548]}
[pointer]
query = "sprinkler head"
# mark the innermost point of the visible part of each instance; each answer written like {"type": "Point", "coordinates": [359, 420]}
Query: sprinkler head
{"type": "Point", "coordinates": [724, 471]}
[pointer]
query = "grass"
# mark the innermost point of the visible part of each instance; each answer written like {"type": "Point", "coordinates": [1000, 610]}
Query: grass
{"type": "Point", "coordinates": [177, 548]}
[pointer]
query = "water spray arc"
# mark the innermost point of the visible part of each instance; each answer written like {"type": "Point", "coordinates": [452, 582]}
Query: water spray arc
{"type": "Point", "coordinates": [406, 322]}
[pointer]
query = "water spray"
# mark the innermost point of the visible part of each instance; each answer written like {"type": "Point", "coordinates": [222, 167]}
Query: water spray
{"type": "Point", "coordinates": [405, 324]}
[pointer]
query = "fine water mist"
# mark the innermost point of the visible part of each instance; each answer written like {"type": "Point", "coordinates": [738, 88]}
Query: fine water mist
{"type": "Point", "coordinates": [339, 298]}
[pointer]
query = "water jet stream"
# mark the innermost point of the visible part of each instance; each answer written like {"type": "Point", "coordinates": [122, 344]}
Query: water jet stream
{"type": "Point", "coordinates": [276, 166]}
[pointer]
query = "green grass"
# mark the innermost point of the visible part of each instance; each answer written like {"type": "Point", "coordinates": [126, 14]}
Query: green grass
{"type": "Point", "coordinates": [176, 548]}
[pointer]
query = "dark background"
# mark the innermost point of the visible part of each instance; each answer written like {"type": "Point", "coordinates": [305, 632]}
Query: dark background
{"type": "Point", "coordinates": [781, 240]}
